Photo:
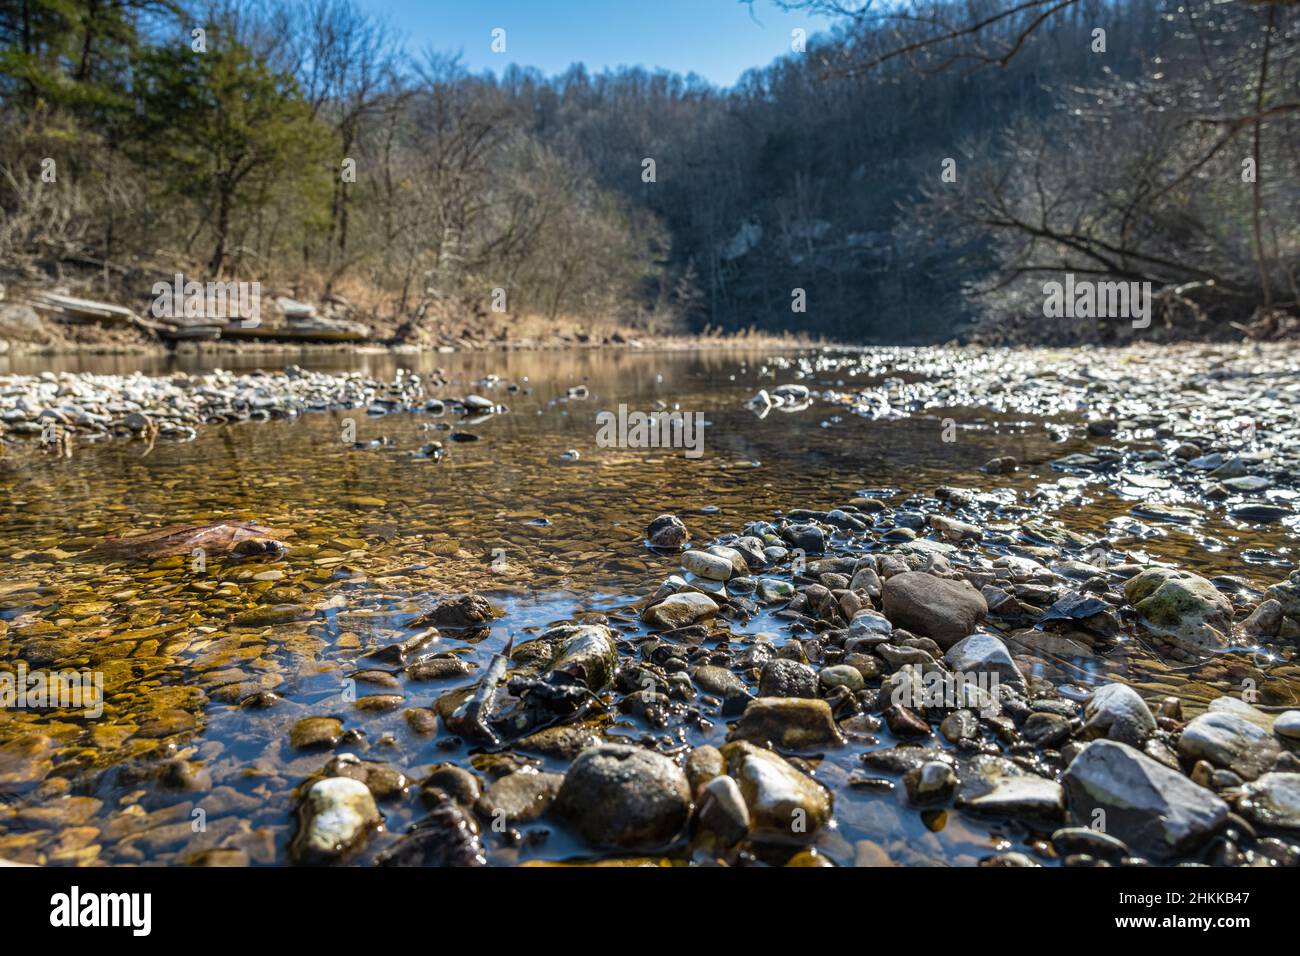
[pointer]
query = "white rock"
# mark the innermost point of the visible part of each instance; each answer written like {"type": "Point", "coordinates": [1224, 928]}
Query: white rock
{"type": "Point", "coordinates": [785, 806]}
{"type": "Point", "coordinates": [1237, 706]}
{"type": "Point", "coordinates": [706, 565]}
{"type": "Point", "coordinates": [339, 812]}
{"type": "Point", "coordinates": [1287, 725]}
{"type": "Point", "coordinates": [1273, 800]}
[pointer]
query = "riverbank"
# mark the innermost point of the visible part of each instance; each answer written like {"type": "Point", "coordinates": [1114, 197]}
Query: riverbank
{"type": "Point", "coordinates": [30, 326]}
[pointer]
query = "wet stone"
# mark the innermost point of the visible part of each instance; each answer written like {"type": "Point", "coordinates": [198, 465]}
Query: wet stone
{"type": "Point", "coordinates": [464, 611]}
{"type": "Point", "coordinates": [788, 723]}
{"type": "Point", "coordinates": [787, 678]}
{"type": "Point", "coordinates": [680, 610]}
{"type": "Point", "coordinates": [519, 797]}
{"type": "Point", "coordinates": [316, 733]}
{"type": "Point", "coordinates": [702, 765]}
{"type": "Point", "coordinates": [625, 797]}
{"type": "Point", "coordinates": [722, 810]}
{"type": "Point", "coordinates": [932, 782]}
{"type": "Point", "coordinates": [564, 742]}
{"type": "Point", "coordinates": [1273, 800]}
{"type": "Point", "coordinates": [785, 805]}
{"type": "Point", "coordinates": [454, 782]}
{"type": "Point", "coordinates": [667, 531]}
{"type": "Point", "coordinates": [841, 675]}
{"type": "Point", "coordinates": [447, 836]}
{"type": "Point", "coordinates": [336, 815]}
{"type": "Point", "coordinates": [997, 786]}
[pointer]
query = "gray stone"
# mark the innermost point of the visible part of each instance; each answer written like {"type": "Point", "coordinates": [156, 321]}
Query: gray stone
{"type": "Point", "coordinates": [1273, 800]}
{"type": "Point", "coordinates": [786, 678]}
{"type": "Point", "coordinates": [1229, 741]}
{"type": "Point", "coordinates": [996, 785]}
{"type": "Point", "coordinates": [1155, 810]}
{"type": "Point", "coordinates": [870, 624]}
{"type": "Point", "coordinates": [1237, 706]}
{"type": "Point", "coordinates": [984, 654]}
{"type": "Point", "coordinates": [1118, 712]}
{"type": "Point", "coordinates": [1287, 725]}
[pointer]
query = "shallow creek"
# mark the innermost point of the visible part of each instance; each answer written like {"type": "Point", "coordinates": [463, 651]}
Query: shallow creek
{"type": "Point", "coordinates": [379, 534]}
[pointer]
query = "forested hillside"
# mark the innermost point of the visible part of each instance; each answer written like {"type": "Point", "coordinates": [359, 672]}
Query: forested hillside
{"type": "Point", "coordinates": [902, 179]}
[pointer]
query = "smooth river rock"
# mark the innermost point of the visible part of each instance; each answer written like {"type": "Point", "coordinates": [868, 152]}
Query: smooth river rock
{"type": "Point", "coordinates": [933, 607]}
{"type": "Point", "coordinates": [679, 610]}
{"type": "Point", "coordinates": [337, 815]}
{"type": "Point", "coordinates": [1287, 725]}
{"type": "Point", "coordinates": [519, 797]}
{"type": "Point", "coordinates": [1118, 712]}
{"type": "Point", "coordinates": [1273, 800]}
{"type": "Point", "coordinates": [705, 565]}
{"type": "Point", "coordinates": [785, 805]}
{"type": "Point", "coordinates": [624, 796]}
{"type": "Point", "coordinates": [1231, 742]}
{"type": "Point", "coordinates": [984, 654]}
{"type": "Point", "coordinates": [788, 723]}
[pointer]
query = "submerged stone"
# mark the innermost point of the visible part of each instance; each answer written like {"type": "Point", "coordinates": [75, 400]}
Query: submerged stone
{"type": "Point", "coordinates": [788, 723]}
{"type": "Point", "coordinates": [336, 815]}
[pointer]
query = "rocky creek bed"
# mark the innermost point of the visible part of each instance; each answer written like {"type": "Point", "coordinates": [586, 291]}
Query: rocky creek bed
{"type": "Point", "coordinates": [1013, 668]}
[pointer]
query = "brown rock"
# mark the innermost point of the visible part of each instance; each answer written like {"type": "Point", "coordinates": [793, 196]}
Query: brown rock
{"type": "Point", "coordinates": [944, 610]}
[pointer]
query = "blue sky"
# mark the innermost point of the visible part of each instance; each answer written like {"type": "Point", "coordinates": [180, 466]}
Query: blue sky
{"type": "Point", "coordinates": [717, 39]}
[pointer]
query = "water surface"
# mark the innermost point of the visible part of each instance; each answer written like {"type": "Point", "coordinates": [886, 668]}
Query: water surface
{"type": "Point", "coordinates": [547, 534]}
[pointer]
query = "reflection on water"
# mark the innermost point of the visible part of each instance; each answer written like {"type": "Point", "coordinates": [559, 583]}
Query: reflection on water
{"type": "Point", "coordinates": [380, 533]}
